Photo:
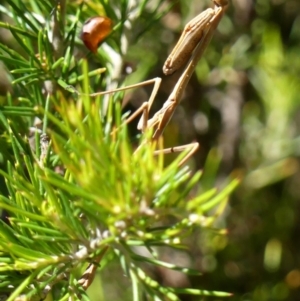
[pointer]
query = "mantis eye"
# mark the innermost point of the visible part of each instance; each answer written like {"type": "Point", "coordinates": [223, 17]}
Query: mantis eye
{"type": "Point", "coordinates": [94, 31]}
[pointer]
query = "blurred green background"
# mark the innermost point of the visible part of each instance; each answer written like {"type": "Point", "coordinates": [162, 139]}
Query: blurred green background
{"type": "Point", "coordinates": [242, 106]}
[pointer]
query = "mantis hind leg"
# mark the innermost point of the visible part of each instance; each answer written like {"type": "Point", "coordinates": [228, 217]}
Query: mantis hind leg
{"type": "Point", "coordinates": [191, 148]}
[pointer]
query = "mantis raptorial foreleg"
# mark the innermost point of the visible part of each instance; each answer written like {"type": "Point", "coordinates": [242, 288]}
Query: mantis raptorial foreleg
{"type": "Point", "coordinates": [191, 36]}
{"type": "Point", "coordinates": [192, 33]}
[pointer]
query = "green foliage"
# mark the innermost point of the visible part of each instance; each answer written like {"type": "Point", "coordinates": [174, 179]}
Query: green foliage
{"type": "Point", "coordinates": [85, 195]}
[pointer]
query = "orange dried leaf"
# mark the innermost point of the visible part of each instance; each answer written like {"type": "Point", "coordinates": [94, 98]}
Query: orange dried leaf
{"type": "Point", "coordinates": [94, 31]}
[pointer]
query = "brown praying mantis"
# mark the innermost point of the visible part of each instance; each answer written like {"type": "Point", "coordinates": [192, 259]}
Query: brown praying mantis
{"type": "Point", "coordinates": [189, 49]}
